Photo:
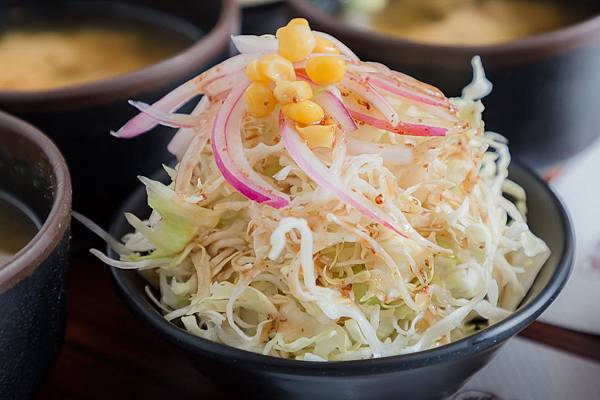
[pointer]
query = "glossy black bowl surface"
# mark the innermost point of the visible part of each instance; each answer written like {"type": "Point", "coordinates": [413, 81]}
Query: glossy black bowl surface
{"type": "Point", "coordinates": [32, 283]}
{"type": "Point", "coordinates": [544, 85]}
{"type": "Point", "coordinates": [432, 374]}
{"type": "Point", "coordinates": [79, 118]}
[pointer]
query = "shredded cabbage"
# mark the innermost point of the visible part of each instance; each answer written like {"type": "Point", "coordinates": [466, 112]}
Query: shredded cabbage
{"type": "Point", "coordinates": [317, 280]}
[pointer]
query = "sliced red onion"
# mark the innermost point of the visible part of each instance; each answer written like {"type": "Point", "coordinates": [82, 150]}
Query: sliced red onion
{"type": "Point", "coordinates": [182, 139]}
{"type": "Point", "coordinates": [395, 154]}
{"type": "Point", "coordinates": [395, 88]}
{"type": "Point", "coordinates": [415, 83]}
{"type": "Point", "coordinates": [437, 107]}
{"type": "Point", "coordinates": [143, 122]}
{"type": "Point", "coordinates": [255, 44]}
{"type": "Point", "coordinates": [167, 119]}
{"type": "Point", "coordinates": [318, 172]}
{"type": "Point", "coordinates": [373, 97]}
{"type": "Point", "coordinates": [403, 128]}
{"type": "Point", "coordinates": [227, 147]}
{"type": "Point", "coordinates": [223, 84]}
{"type": "Point", "coordinates": [336, 109]}
{"type": "Point", "coordinates": [229, 66]}
{"type": "Point", "coordinates": [345, 50]}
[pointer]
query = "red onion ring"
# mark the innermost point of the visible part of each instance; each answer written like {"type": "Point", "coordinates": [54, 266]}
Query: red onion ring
{"type": "Point", "coordinates": [395, 88]}
{"type": "Point", "coordinates": [224, 137]}
{"type": "Point", "coordinates": [143, 122]}
{"type": "Point", "coordinates": [336, 109]}
{"type": "Point", "coordinates": [172, 120]}
{"type": "Point", "coordinates": [373, 97]}
{"type": "Point", "coordinates": [403, 128]}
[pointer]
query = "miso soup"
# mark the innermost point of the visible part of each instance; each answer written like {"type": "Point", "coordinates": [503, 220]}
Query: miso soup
{"type": "Point", "coordinates": [50, 54]}
{"type": "Point", "coordinates": [17, 227]}
{"type": "Point", "coordinates": [462, 22]}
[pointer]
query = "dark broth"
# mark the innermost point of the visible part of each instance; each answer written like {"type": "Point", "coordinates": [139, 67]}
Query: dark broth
{"type": "Point", "coordinates": [17, 227]}
{"type": "Point", "coordinates": [462, 22]}
{"type": "Point", "coordinates": [52, 52]}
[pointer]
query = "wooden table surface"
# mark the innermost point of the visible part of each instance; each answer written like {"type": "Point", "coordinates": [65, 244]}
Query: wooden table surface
{"type": "Point", "coordinates": [110, 354]}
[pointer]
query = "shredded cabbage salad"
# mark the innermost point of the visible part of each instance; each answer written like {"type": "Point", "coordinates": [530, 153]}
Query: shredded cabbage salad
{"type": "Point", "coordinates": [405, 235]}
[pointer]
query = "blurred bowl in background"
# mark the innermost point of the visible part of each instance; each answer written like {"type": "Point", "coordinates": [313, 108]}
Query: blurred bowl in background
{"type": "Point", "coordinates": [79, 118]}
{"type": "Point", "coordinates": [32, 283]}
{"type": "Point", "coordinates": [262, 16]}
{"type": "Point", "coordinates": [545, 93]}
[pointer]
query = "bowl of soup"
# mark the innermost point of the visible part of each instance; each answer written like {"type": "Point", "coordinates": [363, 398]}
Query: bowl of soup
{"type": "Point", "coordinates": [35, 208]}
{"type": "Point", "coordinates": [69, 68]}
{"type": "Point", "coordinates": [541, 55]}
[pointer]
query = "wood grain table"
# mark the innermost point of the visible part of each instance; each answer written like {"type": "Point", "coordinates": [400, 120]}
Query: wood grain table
{"type": "Point", "coordinates": [109, 354]}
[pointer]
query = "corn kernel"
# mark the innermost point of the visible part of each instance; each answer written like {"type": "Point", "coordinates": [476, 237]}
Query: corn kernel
{"type": "Point", "coordinates": [276, 68]}
{"type": "Point", "coordinates": [260, 99]}
{"type": "Point", "coordinates": [253, 72]}
{"type": "Point", "coordinates": [292, 91]}
{"type": "Point", "coordinates": [305, 112]}
{"type": "Point", "coordinates": [325, 70]}
{"type": "Point", "coordinates": [323, 45]}
{"type": "Point", "coordinates": [296, 42]}
{"type": "Point", "coordinates": [298, 22]}
{"type": "Point", "coordinates": [318, 135]}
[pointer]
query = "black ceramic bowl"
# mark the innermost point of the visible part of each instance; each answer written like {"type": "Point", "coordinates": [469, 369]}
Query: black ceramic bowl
{"type": "Point", "coordinates": [544, 85]}
{"type": "Point", "coordinates": [432, 374]}
{"type": "Point", "coordinates": [32, 291]}
{"type": "Point", "coordinates": [79, 118]}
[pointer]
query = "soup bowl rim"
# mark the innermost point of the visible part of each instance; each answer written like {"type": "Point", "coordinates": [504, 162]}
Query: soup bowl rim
{"type": "Point", "coordinates": [56, 224]}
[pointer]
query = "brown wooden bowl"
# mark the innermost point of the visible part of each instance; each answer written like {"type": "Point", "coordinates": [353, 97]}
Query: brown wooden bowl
{"type": "Point", "coordinates": [32, 284]}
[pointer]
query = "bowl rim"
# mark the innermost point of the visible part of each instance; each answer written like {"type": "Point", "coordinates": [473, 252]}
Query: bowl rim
{"type": "Point", "coordinates": [55, 226]}
{"type": "Point", "coordinates": [567, 36]}
{"type": "Point", "coordinates": [488, 338]}
{"type": "Point", "coordinates": [150, 77]}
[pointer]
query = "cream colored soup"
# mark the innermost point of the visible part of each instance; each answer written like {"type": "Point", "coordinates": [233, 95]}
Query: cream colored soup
{"type": "Point", "coordinates": [466, 22]}
{"type": "Point", "coordinates": [45, 59]}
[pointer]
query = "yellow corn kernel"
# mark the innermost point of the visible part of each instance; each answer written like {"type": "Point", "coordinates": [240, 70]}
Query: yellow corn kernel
{"type": "Point", "coordinates": [260, 99]}
{"type": "Point", "coordinates": [305, 112]}
{"type": "Point", "coordinates": [253, 72]}
{"type": "Point", "coordinates": [323, 45]}
{"type": "Point", "coordinates": [296, 42]}
{"type": "Point", "coordinates": [298, 22]}
{"type": "Point", "coordinates": [276, 68]}
{"type": "Point", "coordinates": [325, 70]}
{"type": "Point", "coordinates": [318, 135]}
{"type": "Point", "coordinates": [292, 91]}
